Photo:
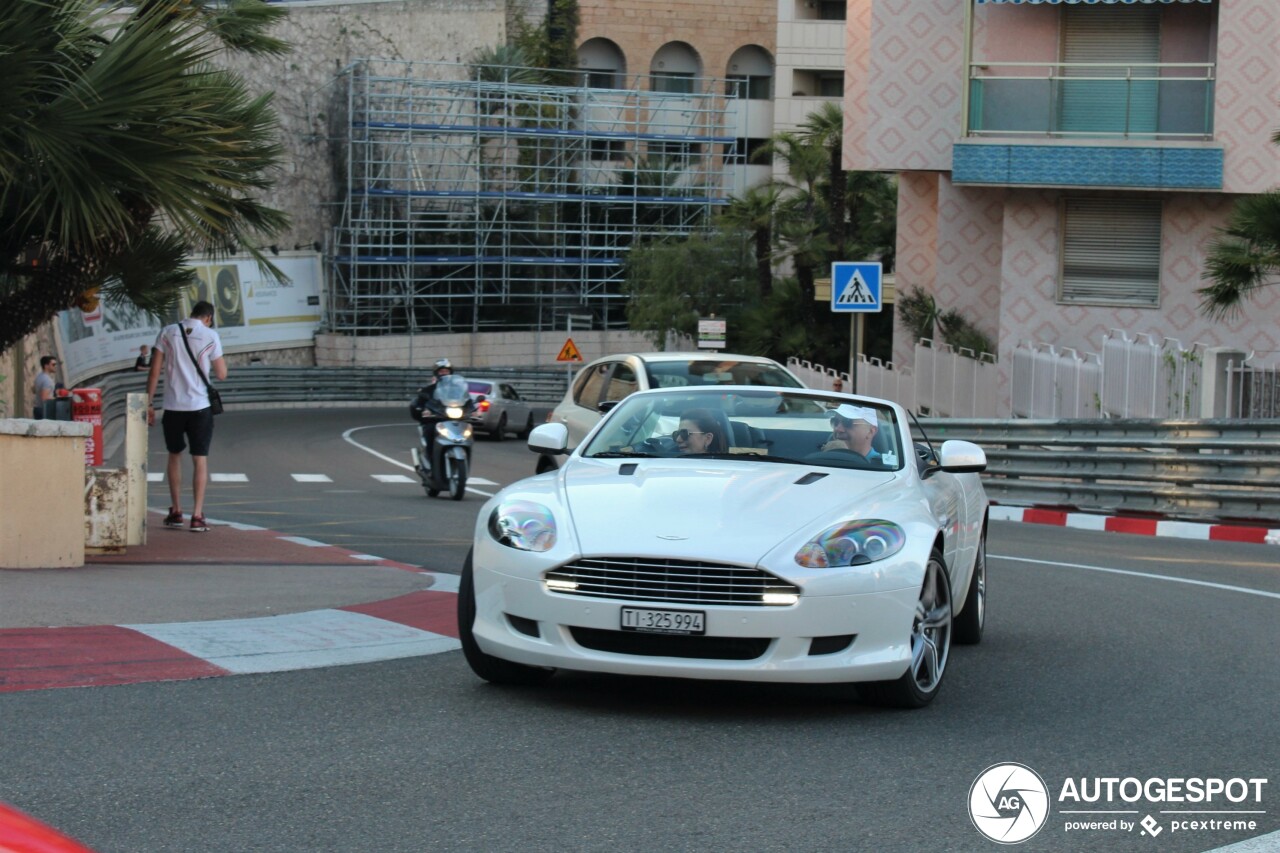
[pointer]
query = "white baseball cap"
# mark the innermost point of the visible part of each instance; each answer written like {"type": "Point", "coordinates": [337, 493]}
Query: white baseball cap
{"type": "Point", "coordinates": [856, 413]}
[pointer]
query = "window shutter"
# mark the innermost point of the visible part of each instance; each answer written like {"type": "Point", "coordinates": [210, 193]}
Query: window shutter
{"type": "Point", "coordinates": [1111, 251]}
{"type": "Point", "coordinates": [1129, 35]}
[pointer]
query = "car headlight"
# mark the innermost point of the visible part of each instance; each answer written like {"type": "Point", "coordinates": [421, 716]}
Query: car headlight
{"type": "Point", "coordinates": [453, 411]}
{"type": "Point", "coordinates": [853, 543]}
{"type": "Point", "coordinates": [523, 525]}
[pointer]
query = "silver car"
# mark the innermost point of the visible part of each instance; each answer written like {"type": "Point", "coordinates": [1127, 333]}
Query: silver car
{"type": "Point", "coordinates": [502, 410]}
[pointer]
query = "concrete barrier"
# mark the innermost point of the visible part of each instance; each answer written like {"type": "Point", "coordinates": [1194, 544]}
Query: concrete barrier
{"type": "Point", "coordinates": [42, 478]}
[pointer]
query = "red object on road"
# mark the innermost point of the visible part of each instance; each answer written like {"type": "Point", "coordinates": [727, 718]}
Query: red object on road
{"type": "Point", "coordinates": [21, 833]}
{"type": "Point", "coordinates": [86, 406]}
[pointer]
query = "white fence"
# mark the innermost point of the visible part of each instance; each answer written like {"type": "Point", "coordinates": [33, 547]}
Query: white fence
{"type": "Point", "coordinates": [945, 383]}
{"type": "Point", "coordinates": [1133, 377]}
{"type": "Point", "coordinates": [1253, 390]}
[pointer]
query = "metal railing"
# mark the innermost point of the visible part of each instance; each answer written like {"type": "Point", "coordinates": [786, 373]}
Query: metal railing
{"type": "Point", "coordinates": [265, 387]}
{"type": "Point", "coordinates": [1172, 100]}
{"type": "Point", "coordinates": [1253, 390]}
{"type": "Point", "coordinates": [1194, 469]}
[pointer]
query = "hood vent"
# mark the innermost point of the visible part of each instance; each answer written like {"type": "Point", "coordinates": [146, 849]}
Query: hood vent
{"type": "Point", "coordinates": [811, 477]}
{"type": "Point", "coordinates": [628, 469]}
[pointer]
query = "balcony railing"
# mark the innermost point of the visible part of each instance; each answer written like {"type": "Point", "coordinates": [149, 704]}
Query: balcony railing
{"type": "Point", "coordinates": [1168, 100]}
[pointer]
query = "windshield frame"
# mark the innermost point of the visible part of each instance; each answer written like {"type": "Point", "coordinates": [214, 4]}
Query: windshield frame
{"type": "Point", "coordinates": [768, 424]}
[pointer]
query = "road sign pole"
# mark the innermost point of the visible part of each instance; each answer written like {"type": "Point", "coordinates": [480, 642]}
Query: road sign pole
{"type": "Point", "coordinates": [853, 352]}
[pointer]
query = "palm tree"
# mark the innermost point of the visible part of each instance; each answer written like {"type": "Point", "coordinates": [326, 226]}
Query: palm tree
{"type": "Point", "coordinates": [124, 149]}
{"type": "Point", "coordinates": [824, 129]}
{"type": "Point", "coordinates": [1246, 256]}
{"type": "Point", "coordinates": [753, 212]}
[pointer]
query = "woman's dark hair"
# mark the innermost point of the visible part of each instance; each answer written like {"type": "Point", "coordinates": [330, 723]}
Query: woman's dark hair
{"type": "Point", "coordinates": [708, 422]}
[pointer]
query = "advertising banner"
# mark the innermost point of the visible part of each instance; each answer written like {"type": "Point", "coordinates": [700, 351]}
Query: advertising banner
{"type": "Point", "coordinates": [251, 311]}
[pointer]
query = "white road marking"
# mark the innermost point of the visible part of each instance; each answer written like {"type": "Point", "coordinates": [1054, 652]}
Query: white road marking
{"type": "Point", "coordinates": [346, 436]}
{"type": "Point", "coordinates": [392, 478]}
{"type": "Point", "coordinates": [1170, 578]}
{"type": "Point", "coordinates": [155, 476]}
{"type": "Point", "coordinates": [480, 481]}
{"type": "Point", "coordinates": [229, 478]}
{"type": "Point", "coordinates": [297, 640]}
{"type": "Point", "coordinates": [311, 478]}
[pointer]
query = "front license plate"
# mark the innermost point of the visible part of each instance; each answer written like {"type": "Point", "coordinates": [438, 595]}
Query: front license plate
{"type": "Point", "coordinates": [664, 621]}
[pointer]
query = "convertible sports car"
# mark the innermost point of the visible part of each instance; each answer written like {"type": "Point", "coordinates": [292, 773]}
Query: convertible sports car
{"type": "Point", "coordinates": [735, 532]}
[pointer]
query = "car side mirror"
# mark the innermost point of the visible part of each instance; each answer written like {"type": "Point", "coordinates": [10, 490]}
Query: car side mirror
{"type": "Point", "coordinates": [607, 405]}
{"type": "Point", "coordinates": [962, 457]}
{"type": "Point", "coordinates": [552, 439]}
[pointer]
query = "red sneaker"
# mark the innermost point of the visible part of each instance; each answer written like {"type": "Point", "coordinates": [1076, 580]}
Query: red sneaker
{"type": "Point", "coordinates": [173, 519]}
{"type": "Point", "coordinates": [198, 524]}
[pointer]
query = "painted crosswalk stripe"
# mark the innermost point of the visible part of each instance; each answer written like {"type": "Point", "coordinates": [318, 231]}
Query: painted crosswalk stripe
{"type": "Point", "coordinates": [297, 640]}
{"type": "Point", "coordinates": [392, 478]}
{"type": "Point", "coordinates": [480, 481]}
{"type": "Point", "coordinates": [155, 476]}
{"type": "Point", "coordinates": [229, 478]}
{"type": "Point", "coordinates": [311, 478]}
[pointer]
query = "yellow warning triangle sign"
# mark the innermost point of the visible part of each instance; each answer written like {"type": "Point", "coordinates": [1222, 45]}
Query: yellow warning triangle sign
{"type": "Point", "coordinates": [569, 352]}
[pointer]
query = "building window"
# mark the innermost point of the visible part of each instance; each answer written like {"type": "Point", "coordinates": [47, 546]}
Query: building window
{"type": "Point", "coordinates": [817, 84]}
{"type": "Point", "coordinates": [603, 80]}
{"type": "Point", "coordinates": [1111, 251]}
{"type": "Point", "coordinates": [679, 152]}
{"type": "Point", "coordinates": [611, 150]}
{"type": "Point", "coordinates": [747, 152]}
{"type": "Point", "coordinates": [831, 10]}
{"type": "Point", "coordinates": [672, 82]}
{"type": "Point", "coordinates": [750, 87]}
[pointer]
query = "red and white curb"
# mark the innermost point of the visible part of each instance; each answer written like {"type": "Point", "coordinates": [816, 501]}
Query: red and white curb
{"type": "Point", "coordinates": [411, 625]}
{"type": "Point", "coordinates": [1140, 526]}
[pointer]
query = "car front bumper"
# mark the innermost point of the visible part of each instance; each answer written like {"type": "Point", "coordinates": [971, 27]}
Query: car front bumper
{"type": "Point", "coordinates": [784, 635]}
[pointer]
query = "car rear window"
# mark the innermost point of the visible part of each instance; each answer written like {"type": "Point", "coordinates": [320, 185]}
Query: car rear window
{"type": "Point", "coordinates": [700, 372]}
{"type": "Point", "coordinates": [479, 388]}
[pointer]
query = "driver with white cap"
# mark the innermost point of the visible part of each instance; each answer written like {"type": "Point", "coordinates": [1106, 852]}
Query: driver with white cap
{"type": "Point", "coordinates": [853, 428]}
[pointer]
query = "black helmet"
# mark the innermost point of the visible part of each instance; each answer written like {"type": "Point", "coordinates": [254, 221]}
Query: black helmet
{"type": "Point", "coordinates": [443, 365]}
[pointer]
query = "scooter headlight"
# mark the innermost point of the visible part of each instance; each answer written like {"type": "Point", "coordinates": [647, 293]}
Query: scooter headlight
{"type": "Point", "coordinates": [453, 430]}
{"type": "Point", "coordinates": [453, 411]}
{"type": "Point", "coordinates": [523, 525]}
{"type": "Point", "coordinates": [853, 543]}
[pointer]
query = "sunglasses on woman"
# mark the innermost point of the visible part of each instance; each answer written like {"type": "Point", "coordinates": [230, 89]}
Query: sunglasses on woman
{"type": "Point", "coordinates": [683, 434]}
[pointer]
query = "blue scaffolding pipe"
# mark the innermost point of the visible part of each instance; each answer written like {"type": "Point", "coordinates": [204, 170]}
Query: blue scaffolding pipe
{"type": "Point", "coordinates": [466, 260]}
{"type": "Point", "coordinates": [500, 194]}
{"type": "Point", "coordinates": [502, 130]}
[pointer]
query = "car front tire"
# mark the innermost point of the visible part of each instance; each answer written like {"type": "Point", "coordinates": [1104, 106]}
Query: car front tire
{"type": "Point", "coordinates": [500, 434]}
{"type": "Point", "coordinates": [488, 667]}
{"type": "Point", "coordinates": [931, 634]}
{"type": "Point", "coordinates": [973, 618]}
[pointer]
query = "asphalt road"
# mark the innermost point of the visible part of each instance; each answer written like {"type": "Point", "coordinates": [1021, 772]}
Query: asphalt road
{"type": "Point", "coordinates": [1106, 656]}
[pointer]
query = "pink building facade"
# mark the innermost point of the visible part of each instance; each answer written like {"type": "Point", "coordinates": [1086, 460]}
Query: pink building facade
{"type": "Point", "coordinates": [1063, 167]}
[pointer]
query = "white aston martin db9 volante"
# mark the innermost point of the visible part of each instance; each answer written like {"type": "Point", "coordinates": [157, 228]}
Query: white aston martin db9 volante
{"type": "Point", "coordinates": [735, 532]}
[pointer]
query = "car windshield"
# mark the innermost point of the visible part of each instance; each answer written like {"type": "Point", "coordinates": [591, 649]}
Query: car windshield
{"type": "Point", "coordinates": [772, 425]}
{"type": "Point", "coordinates": [710, 371]}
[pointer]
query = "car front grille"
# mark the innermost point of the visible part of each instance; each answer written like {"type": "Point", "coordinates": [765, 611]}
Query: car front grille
{"type": "Point", "coordinates": [673, 581]}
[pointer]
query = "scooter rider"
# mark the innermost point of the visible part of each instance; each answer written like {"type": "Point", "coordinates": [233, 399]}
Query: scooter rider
{"type": "Point", "coordinates": [418, 407]}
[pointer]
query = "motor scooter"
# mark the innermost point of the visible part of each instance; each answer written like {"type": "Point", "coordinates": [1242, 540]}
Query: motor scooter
{"type": "Point", "coordinates": [442, 458]}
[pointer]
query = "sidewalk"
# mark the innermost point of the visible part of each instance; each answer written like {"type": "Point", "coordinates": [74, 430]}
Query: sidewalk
{"type": "Point", "coordinates": [239, 599]}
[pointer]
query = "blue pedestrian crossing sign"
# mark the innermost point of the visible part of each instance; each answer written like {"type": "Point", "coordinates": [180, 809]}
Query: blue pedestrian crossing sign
{"type": "Point", "coordinates": [855, 287]}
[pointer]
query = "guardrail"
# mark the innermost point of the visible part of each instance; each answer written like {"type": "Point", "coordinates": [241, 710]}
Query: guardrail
{"type": "Point", "coordinates": [1195, 469]}
{"type": "Point", "coordinates": [1192, 469]}
{"type": "Point", "coordinates": [259, 387]}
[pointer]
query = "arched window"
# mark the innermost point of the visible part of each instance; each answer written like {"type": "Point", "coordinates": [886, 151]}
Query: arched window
{"type": "Point", "coordinates": [602, 63]}
{"type": "Point", "coordinates": [750, 74]}
{"type": "Point", "coordinates": [674, 68]}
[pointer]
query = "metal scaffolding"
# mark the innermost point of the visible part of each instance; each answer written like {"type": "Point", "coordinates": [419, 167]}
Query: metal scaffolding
{"type": "Point", "coordinates": [474, 201]}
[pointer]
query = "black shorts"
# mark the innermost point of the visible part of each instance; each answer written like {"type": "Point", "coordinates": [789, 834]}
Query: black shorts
{"type": "Point", "coordinates": [183, 427]}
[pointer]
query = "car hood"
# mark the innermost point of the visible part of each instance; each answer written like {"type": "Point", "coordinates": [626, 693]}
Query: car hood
{"type": "Point", "coordinates": [716, 510]}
